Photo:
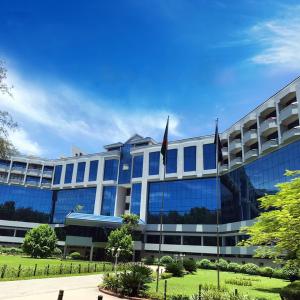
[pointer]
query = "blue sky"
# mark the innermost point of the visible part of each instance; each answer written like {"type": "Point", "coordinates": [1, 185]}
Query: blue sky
{"type": "Point", "coordinates": [89, 73]}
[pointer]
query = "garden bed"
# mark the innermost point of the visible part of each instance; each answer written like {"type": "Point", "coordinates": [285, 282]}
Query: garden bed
{"type": "Point", "coordinates": [110, 293]}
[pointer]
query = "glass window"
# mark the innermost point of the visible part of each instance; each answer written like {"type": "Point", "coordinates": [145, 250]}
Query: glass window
{"type": "Point", "coordinates": [171, 161]}
{"type": "Point", "coordinates": [27, 204]}
{"type": "Point", "coordinates": [80, 171]}
{"type": "Point", "coordinates": [209, 156]}
{"type": "Point", "coordinates": [93, 170]}
{"type": "Point", "coordinates": [136, 198]}
{"type": "Point", "coordinates": [33, 180]}
{"type": "Point", "coordinates": [152, 239]}
{"type": "Point", "coordinates": [137, 166]}
{"type": "Point", "coordinates": [209, 241]}
{"type": "Point", "coordinates": [108, 201]}
{"type": "Point", "coordinates": [192, 240]}
{"type": "Point", "coordinates": [111, 169]}
{"type": "Point", "coordinates": [73, 200]}
{"type": "Point", "coordinates": [57, 174]}
{"type": "Point", "coordinates": [172, 239]}
{"type": "Point", "coordinates": [190, 159]}
{"type": "Point", "coordinates": [125, 165]}
{"type": "Point", "coordinates": [154, 158]}
{"type": "Point", "coordinates": [69, 173]}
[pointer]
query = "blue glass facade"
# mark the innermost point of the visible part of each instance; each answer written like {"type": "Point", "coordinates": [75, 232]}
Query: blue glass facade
{"type": "Point", "coordinates": [136, 193]}
{"type": "Point", "coordinates": [66, 201]}
{"type": "Point", "coordinates": [125, 165]}
{"type": "Point", "coordinates": [137, 170]}
{"type": "Point", "coordinates": [171, 161]}
{"type": "Point", "coordinates": [111, 169]}
{"type": "Point", "coordinates": [190, 159]}
{"type": "Point", "coordinates": [26, 204]}
{"type": "Point", "coordinates": [93, 170]}
{"type": "Point", "coordinates": [108, 200]}
{"type": "Point", "coordinates": [154, 158]}
{"type": "Point", "coordinates": [69, 173]}
{"type": "Point", "coordinates": [57, 174]}
{"type": "Point", "coordinates": [80, 171]}
{"type": "Point", "coordinates": [209, 156]}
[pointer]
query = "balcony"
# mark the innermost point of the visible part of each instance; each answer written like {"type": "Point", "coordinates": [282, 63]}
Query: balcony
{"type": "Point", "coordinates": [16, 180]}
{"type": "Point", "coordinates": [235, 146]}
{"type": "Point", "coordinates": [34, 172]}
{"type": "Point", "coordinates": [236, 162]}
{"type": "Point", "coordinates": [267, 106]}
{"type": "Point", "coordinates": [235, 129]}
{"type": "Point", "coordinates": [250, 119]}
{"type": "Point", "coordinates": [268, 126]}
{"type": "Point", "coordinates": [46, 184]}
{"type": "Point", "coordinates": [269, 145]}
{"type": "Point", "coordinates": [32, 183]}
{"type": "Point", "coordinates": [19, 170]}
{"type": "Point", "coordinates": [4, 167]}
{"type": "Point", "coordinates": [291, 134]}
{"type": "Point", "coordinates": [250, 137]}
{"type": "Point", "coordinates": [225, 151]}
{"type": "Point", "coordinates": [289, 113]}
{"type": "Point", "coordinates": [224, 168]}
{"type": "Point", "coordinates": [3, 178]}
{"type": "Point", "coordinates": [251, 154]}
{"type": "Point", "coordinates": [47, 174]}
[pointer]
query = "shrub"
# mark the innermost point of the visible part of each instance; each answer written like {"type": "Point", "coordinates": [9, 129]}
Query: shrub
{"type": "Point", "coordinates": [166, 260]}
{"type": "Point", "coordinates": [290, 272]}
{"type": "Point", "coordinates": [166, 275]}
{"type": "Point", "coordinates": [222, 264]}
{"type": "Point", "coordinates": [250, 268]}
{"type": "Point", "coordinates": [291, 292]}
{"type": "Point", "coordinates": [75, 255]}
{"type": "Point", "coordinates": [57, 252]}
{"type": "Point", "coordinates": [180, 297]}
{"type": "Point", "coordinates": [277, 273]}
{"type": "Point", "coordinates": [234, 267]}
{"type": "Point", "coordinates": [204, 264]}
{"type": "Point", "coordinates": [266, 271]}
{"type": "Point", "coordinates": [176, 268]}
{"type": "Point", "coordinates": [111, 282]}
{"type": "Point", "coordinates": [149, 260]}
{"type": "Point", "coordinates": [190, 265]}
{"type": "Point", "coordinates": [11, 250]}
{"type": "Point", "coordinates": [239, 281]}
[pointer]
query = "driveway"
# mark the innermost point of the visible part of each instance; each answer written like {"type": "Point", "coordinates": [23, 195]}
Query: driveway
{"type": "Point", "coordinates": [75, 288]}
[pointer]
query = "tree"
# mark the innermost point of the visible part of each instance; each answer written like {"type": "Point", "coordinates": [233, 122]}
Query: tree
{"type": "Point", "coordinates": [6, 122]}
{"type": "Point", "coordinates": [40, 241]}
{"type": "Point", "coordinates": [277, 229]}
{"type": "Point", "coordinates": [130, 221]}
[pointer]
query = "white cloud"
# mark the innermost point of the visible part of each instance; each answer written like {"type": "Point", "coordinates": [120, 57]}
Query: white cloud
{"type": "Point", "coordinates": [74, 117]}
{"type": "Point", "coordinates": [278, 39]}
{"type": "Point", "coordinates": [23, 142]}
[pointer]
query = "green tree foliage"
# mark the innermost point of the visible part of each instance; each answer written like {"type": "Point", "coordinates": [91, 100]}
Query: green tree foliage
{"type": "Point", "coordinates": [40, 241]}
{"type": "Point", "coordinates": [277, 230]}
{"type": "Point", "coordinates": [130, 221]}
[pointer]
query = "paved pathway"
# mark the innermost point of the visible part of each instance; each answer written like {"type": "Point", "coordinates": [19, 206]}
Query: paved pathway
{"type": "Point", "coordinates": [75, 287]}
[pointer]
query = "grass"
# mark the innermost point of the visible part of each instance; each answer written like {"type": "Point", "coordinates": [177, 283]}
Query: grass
{"type": "Point", "coordinates": [267, 288]}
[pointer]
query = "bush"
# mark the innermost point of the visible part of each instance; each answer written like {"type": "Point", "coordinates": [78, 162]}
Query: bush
{"type": "Point", "coordinates": [57, 252]}
{"type": "Point", "coordinates": [277, 273]}
{"type": "Point", "coordinates": [148, 260]}
{"type": "Point", "coordinates": [222, 264]}
{"type": "Point", "coordinates": [204, 264]}
{"type": "Point", "coordinates": [290, 272]}
{"type": "Point", "coordinates": [266, 271]}
{"type": "Point", "coordinates": [166, 275]}
{"type": "Point", "coordinates": [180, 297]}
{"type": "Point", "coordinates": [40, 241]}
{"type": "Point", "coordinates": [291, 292]}
{"type": "Point", "coordinates": [234, 267]}
{"type": "Point", "coordinates": [250, 268]}
{"type": "Point", "coordinates": [190, 265]}
{"type": "Point", "coordinates": [75, 255]}
{"type": "Point", "coordinates": [166, 260]}
{"type": "Point", "coordinates": [239, 281]}
{"type": "Point", "coordinates": [11, 250]}
{"type": "Point", "coordinates": [176, 268]}
{"type": "Point", "coordinates": [111, 282]}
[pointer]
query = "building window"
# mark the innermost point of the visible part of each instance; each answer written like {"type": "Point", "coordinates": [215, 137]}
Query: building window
{"type": "Point", "coordinates": [230, 241]}
{"type": "Point", "coordinates": [192, 240]}
{"type": "Point", "coordinates": [209, 156]}
{"type": "Point", "coordinates": [152, 239]}
{"type": "Point", "coordinates": [137, 170]}
{"type": "Point", "coordinates": [171, 161]}
{"type": "Point", "coordinates": [69, 173]}
{"type": "Point", "coordinates": [80, 171]}
{"type": "Point", "coordinates": [125, 165]}
{"type": "Point", "coordinates": [190, 159]}
{"type": "Point", "coordinates": [108, 201]}
{"type": "Point", "coordinates": [136, 198]}
{"type": "Point", "coordinates": [154, 158]}
{"type": "Point", "coordinates": [93, 170]}
{"type": "Point", "coordinates": [110, 169]}
{"type": "Point", "coordinates": [73, 200]}
{"type": "Point", "coordinates": [172, 239]}
{"type": "Point", "coordinates": [210, 241]}
{"type": "Point", "coordinates": [57, 174]}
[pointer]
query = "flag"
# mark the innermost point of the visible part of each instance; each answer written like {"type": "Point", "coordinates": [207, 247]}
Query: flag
{"type": "Point", "coordinates": [218, 144]}
{"type": "Point", "coordinates": [164, 145]}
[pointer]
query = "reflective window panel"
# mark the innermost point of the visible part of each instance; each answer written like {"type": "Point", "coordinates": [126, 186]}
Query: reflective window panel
{"type": "Point", "coordinates": [73, 200]}
{"type": "Point", "coordinates": [190, 159]}
{"type": "Point", "coordinates": [57, 174]}
{"type": "Point", "coordinates": [108, 200]}
{"type": "Point", "coordinates": [137, 170]}
{"type": "Point", "coordinates": [69, 173]}
{"type": "Point", "coordinates": [111, 169]}
{"type": "Point", "coordinates": [171, 161]}
{"type": "Point", "coordinates": [80, 171]}
{"type": "Point", "coordinates": [136, 198]}
{"type": "Point", "coordinates": [26, 204]}
{"type": "Point", "coordinates": [93, 170]}
{"type": "Point", "coordinates": [209, 156]}
{"type": "Point", "coordinates": [125, 165]}
{"type": "Point", "coordinates": [154, 158]}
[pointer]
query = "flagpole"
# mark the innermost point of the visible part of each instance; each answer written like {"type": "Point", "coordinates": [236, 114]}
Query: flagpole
{"type": "Point", "coordinates": [217, 196]}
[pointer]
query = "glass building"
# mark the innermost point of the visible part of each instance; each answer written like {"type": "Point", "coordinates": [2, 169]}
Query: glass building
{"type": "Point", "coordinates": [85, 194]}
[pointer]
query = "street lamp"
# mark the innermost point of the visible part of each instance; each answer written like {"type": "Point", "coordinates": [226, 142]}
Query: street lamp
{"type": "Point", "coordinates": [182, 255]}
{"type": "Point", "coordinates": [116, 253]}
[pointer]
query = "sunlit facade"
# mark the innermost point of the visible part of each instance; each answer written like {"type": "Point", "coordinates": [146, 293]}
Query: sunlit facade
{"type": "Point", "coordinates": [84, 195]}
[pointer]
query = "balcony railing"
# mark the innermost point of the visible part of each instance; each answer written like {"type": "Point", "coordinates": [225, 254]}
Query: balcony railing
{"type": "Point", "coordinates": [18, 169]}
{"type": "Point", "coordinates": [46, 184]}
{"type": "Point", "coordinates": [251, 154]}
{"type": "Point", "coordinates": [289, 112]}
{"type": "Point", "coordinates": [290, 134]}
{"type": "Point", "coordinates": [268, 125]}
{"type": "Point", "coordinates": [250, 135]}
{"type": "Point", "coordinates": [47, 173]}
{"type": "Point", "coordinates": [16, 180]}
{"type": "Point", "coordinates": [3, 179]}
{"type": "Point", "coordinates": [224, 168]}
{"type": "Point", "coordinates": [34, 171]}
{"type": "Point", "coordinates": [32, 182]}
{"type": "Point", "coordinates": [225, 151]}
{"type": "Point", "coordinates": [236, 161]}
{"type": "Point", "coordinates": [235, 145]}
{"type": "Point", "coordinates": [268, 145]}
{"type": "Point", "coordinates": [4, 167]}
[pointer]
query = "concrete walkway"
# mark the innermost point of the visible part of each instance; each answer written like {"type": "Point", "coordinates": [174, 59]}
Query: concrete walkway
{"type": "Point", "coordinates": [75, 287]}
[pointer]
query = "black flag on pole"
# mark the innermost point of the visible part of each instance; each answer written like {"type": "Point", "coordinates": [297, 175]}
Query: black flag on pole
{"type": "Point", "coordinates": [164, 145]}
{"type": "Point", "coordinates": [218, 144]}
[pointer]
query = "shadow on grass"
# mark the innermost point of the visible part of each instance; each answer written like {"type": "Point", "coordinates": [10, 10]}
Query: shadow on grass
{"type": "Point", "coordinates": [268, 290]}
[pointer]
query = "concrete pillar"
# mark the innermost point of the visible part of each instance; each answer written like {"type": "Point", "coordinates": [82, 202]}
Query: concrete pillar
{"type": "Point", "coordinates": [91, 253]}
{"type": "Point", "coordinates": [65, 251]}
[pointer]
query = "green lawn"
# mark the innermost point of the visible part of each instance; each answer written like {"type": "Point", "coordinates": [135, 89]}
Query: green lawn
{"type": "Point", "coordinates": [188, 285]}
